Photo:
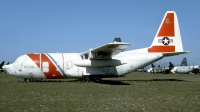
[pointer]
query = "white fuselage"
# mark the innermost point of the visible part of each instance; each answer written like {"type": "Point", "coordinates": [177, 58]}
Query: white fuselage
{"type": "Point", "coordinates": [66, 65]}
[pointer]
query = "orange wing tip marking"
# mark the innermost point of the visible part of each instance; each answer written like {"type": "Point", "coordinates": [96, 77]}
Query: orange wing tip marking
{"type": "Point", "coordinates": [162, 49]}
{"type": "Point", "coordinates": [167, 28]}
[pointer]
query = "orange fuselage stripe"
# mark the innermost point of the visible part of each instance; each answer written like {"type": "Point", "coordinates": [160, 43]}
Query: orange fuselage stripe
{"type": "Point", "coordinates": [53, 73]}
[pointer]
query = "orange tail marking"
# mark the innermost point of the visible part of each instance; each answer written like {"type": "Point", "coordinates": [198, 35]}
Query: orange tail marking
{"type": "Point", "coordinates": [162, 49]}
{"type": "Point", "coordinates": [167, 28]}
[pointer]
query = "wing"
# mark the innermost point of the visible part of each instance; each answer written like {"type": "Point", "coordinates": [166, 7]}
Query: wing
{"type": "Point", "coordinates": [105, 51]}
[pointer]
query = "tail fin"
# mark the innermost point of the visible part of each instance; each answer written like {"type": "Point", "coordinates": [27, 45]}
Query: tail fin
{"type": "Point", "coordinates": [8, 63]}
{"type": "Point", "coordinates": [2, 63]}
{"type": "Point", "coordinates": [184, 62]}
{"type": "Point", "coordinates": [168, 37]}
{"type": "Point", "coordinates": [171, 65]}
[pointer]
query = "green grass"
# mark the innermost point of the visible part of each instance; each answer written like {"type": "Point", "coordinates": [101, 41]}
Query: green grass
{"type": "Point", "coordinates": [134, 92]}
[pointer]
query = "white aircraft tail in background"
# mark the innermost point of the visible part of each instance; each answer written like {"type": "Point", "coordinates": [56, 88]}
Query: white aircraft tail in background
{"type": "Point", "coordinates": [184, 62]}
{"type": "Point", "coordinates": [110, 60]}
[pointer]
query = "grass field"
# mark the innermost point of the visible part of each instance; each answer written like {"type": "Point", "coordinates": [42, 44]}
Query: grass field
{"type": "Point", "coordinates": [134, 92]}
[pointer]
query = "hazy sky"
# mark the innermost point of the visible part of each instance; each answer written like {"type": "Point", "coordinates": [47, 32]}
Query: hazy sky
{"type": "Point", "coordinates": [47, 26]}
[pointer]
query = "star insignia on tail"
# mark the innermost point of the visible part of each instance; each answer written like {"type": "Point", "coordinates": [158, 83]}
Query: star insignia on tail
{"type": "Point", "coordinates": [165, 41]}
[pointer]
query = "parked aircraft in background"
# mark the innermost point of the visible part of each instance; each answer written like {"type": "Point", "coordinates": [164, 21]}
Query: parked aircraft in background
{"type": "Point", "coordinates": [152, 69]}
{"type": "Point", "coordinates": [195, 69]}
{"type": "Point", "coordinates": [7, 63]}
{"type": "Point", "coordinates": [159, 69]}
{"type": "Point", "coordinates": [1, 65]}
{"type": "Point", "coordinates": [110, 60]}
{"type": "Point", "coordinates": [184, 68]}
{"type": "Point", "coordinates": [141, 70]}
{"type": "Point", "coordinates": [181, 69]}
{"type": "Point", "coordinates": [184, 62]}
{"type": "Point", "coordinates": [168, 69]}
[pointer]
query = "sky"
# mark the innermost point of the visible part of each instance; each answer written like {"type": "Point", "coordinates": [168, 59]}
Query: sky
{"type": "Point", "coordinates": [73, 26]}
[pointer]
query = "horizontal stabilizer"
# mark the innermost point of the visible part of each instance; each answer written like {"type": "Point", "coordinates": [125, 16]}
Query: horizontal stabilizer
{"type": "Point", "coordinates": [175, 53]}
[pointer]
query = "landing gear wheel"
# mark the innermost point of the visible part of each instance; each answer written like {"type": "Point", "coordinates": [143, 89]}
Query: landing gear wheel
{"type": "Point", "coordinates": [86, 78]}
{"type": "Point", "coordinates": [27, 80]}
{"type": "Point", "coordinates": [97, 79]}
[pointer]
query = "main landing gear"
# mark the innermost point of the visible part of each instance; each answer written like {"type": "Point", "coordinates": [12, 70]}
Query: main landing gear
{"type": "Point", "coordinates": [92, 78]}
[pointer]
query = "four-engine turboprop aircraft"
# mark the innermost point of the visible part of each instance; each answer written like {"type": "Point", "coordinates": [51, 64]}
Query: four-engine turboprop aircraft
{"type": "Point", "coordinates": [184, 68]}
{"type": "Point", "coordinates": [110, 60]}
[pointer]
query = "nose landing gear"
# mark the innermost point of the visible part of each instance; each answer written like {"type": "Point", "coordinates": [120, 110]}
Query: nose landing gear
{"type": "Point", "coordinates": [27, 80]}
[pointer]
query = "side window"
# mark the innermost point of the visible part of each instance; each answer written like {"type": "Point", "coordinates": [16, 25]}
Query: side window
{"type": "Point", "coordinates": [45, 66]}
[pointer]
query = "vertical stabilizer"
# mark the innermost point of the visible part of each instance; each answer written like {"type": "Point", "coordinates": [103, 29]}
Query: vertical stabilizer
{"type": "Point", "coordinates": [168, 37]}
{"type": "Point", "coordinates": [152, 65]}
{"type": "Point", "coordinates": [1, 65]}
{"type": "Point", "coordinates": [171, 65]}
{"type": "Point", "coordinates": [184, 62]}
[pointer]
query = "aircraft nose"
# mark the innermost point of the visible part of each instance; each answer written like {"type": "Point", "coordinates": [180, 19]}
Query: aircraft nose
{"type": "Point", "coordinates": [9, 69]}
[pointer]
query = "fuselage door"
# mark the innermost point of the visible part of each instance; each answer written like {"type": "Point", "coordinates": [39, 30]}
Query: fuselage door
{"type": "Point", "coordinates": [45, 66]}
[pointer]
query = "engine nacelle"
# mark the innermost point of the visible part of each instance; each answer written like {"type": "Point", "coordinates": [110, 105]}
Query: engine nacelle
{"type": "Point", "coordinates": [98, 63]}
